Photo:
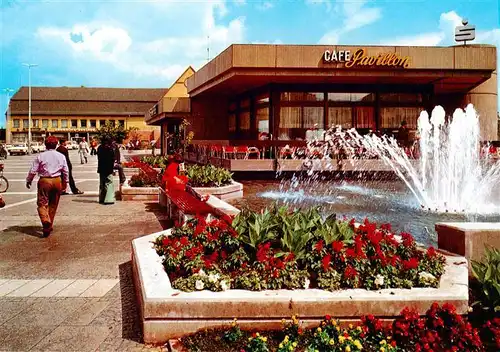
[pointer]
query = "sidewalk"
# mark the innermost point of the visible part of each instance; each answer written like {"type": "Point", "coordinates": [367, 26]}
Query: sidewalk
{"type": "Point", "coordinates": [72, 291]}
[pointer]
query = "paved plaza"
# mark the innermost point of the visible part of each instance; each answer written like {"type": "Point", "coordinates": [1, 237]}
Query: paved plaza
{"type": "Point", "coordinates": [72, 291]}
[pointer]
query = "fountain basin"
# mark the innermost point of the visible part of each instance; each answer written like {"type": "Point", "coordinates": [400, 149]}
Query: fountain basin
{"type": "Point", "coordinates": [168, 313]}
{"type": "Point", "coordinates": [468, 238]}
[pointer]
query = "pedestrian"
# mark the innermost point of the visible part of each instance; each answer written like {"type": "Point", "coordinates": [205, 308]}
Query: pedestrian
{"type": "Point", "coordinates": [64, 151]}
{"type": "Point", "coordinates": [105, 165]}
{"type": "Point", "coordinates": [83, 150]}
{"type": "Point", "coordinates": [118, 163]}
{"type": "Point", "coordinates": [53, 171]}
{"type": "Point", "coordinates": [93, 147]}
{"type": "Point", "coordinates": [2, 202]}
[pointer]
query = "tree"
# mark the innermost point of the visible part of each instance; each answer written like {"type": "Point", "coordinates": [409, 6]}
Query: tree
{"type": "Point", "coordinates": [118, 133]}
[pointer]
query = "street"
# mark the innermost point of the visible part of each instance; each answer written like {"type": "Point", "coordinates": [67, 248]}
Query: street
{"type": "Point", "coordinates": [72, 291]}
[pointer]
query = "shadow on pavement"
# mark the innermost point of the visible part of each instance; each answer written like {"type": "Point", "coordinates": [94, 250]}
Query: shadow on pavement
{"type": "Point", "coordinates": [35, 231]}
{"type": "Point", "coordinates": [86, 200]}
{"type": "Point", "coordinates": [131, 324]}
{"type": "Point", "coordinates": [161, 214]}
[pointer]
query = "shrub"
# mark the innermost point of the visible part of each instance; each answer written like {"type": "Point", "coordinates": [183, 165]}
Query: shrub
{"type": "Point", "coordinates": [145, 179]}
{"type": "Point", "coordinates": [208, 176]}
{"type": "Point", "coordinates": [284, 249]}
{"type": "Point", "coordinates": [487, 273]}
{"type": "Point", "coordinates": [156, 161]}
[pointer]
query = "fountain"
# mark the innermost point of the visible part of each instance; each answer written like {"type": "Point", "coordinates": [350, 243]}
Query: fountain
{"type": "Point", "coordinates": [450, 175]}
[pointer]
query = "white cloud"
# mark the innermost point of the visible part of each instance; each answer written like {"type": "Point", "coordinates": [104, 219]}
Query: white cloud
{"type": "Point", "coordinates": [354, 14]}
{"type": "Point", "coordinates": [277, 41]}
{"type": "Point", "coordinates": [119, 48]}
{"type": "Point", "coordinates": [266, 5]}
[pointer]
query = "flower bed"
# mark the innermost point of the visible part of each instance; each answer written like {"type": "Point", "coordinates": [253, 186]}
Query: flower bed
{"type": "Point", "coordinates": [143, 186]}
{"type": "Point", "coordinates": [232, 191]}
{"type": "Point", "coordinates": [279, 249]}
{"type": "Point", "coordinates": [441, 329]}
{"type": "Point", "coordinates": [208, 176]}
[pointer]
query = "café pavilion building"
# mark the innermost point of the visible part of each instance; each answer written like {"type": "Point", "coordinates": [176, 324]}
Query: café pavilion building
{"type": "Point", "coordinates": [273, 94]}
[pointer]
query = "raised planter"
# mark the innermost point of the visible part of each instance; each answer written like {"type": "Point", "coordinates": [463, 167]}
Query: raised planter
{"type": "Point", "coordinates": [232, 191]}
{"type": "Point", "coordinates": [131, 171]}
{"type": "Point", "coordinates": [139, 193]}
{"type": "Point", "coordinates": [168, 313]}
{"type": "Point", "coordinates": [468, 238]}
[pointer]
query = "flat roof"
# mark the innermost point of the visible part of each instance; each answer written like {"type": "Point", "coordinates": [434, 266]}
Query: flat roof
{"type": "Point", "coordinates": [243, 67]}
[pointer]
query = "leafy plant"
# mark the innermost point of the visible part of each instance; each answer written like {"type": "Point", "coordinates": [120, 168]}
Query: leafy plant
{"type": "Point", "coordinates": [208, 176]}
{"type": "Point", "coordinates": [145, 179]}
{"type": "Point", "coordinates": [487, 273]}
{"type": "Point", "coordinates": [117, 133]}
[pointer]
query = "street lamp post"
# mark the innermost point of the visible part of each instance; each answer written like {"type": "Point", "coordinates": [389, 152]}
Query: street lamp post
{"type": "Point", "coordinates": [8, 91]}
{"type": "Point", "coordinates": [29, 66]}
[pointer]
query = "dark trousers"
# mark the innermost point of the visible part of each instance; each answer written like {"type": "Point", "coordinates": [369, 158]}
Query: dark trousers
{"type": "Point", "coordinates": [121, 174]}
{"type": "Point", "coordinates": [72, 184]}
{"type": "Point", "coordinates": [93, 151]}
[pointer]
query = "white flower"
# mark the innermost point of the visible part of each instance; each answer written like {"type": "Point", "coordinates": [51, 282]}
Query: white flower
{"type": "Point", "coordinates": [224, 286]}
{"type": "Point", "coordinates": [213, 278]}
{"type": "Point", "coordinates": [307, 283]}
{"type": "Point", "coordinates": [426, 276]}
{"type": "Point", "coordinates": [199, 285]}
{"type": "Point", "coordinates": [379, 280]}
{"type": "Point", "coordinates": [202, 273]}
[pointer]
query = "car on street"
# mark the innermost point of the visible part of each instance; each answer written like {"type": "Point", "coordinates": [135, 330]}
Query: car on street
{"type": "Point", "coordinates": [37, 147]}
{"type": "Point", "coordinates": [18, 148]}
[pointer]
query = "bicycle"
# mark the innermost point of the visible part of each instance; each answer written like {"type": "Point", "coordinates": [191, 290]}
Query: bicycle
{"type": "Point", "coordinates": [4, 183]}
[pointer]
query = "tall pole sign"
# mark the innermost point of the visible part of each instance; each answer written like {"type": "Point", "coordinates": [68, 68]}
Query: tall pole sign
{"type": "Point", "coordinates": [465, 33]}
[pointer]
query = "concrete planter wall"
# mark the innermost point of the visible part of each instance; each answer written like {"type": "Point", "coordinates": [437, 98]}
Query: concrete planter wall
{"type": "Point", "coordinates": [139, 193]}
{"type": "Point", "coordinates": [167, 313]}
{"type": "Point", "coordinates": [232, 191]}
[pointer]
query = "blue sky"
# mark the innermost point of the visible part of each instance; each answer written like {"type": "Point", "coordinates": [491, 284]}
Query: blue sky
{"type": "Point", "coordinates": [148, 43]}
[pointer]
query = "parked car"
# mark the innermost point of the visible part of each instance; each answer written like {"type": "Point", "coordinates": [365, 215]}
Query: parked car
{"type": "Point", "coordinates": [18, 148]}
{"type": "Point", "coordinates": [72, 145]}
{"type": "Point", "coordinates": [37, 147]}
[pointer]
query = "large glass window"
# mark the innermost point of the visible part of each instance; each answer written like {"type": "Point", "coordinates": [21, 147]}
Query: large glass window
{"type": "Point", "coordinates": [340, 116]}
{"type": "Point", "coordinates": [26, 123]}
{"type": "Point", "coordinates": [45, 123]}
{"type": "Point", "coordinates": [391, 117]}
{"type": "Point", "coordinates": [35, 123]}
{"type": "Point", "coordinates": [64, 123]}
{"type": "Point", "coordinates": [351, 97]}
{"type": "Point", "coordinates": [102, 123]}
{"type": "Point", "coordinates": [83, 123]}
{"type": "Point", "coordinates": [245, 121]}
{"type": "Point", "coordinates": [121, 123]}
{"type": "Point", "coordinates": [232, 122]}
{"type": "Point", "coordinates": [55, 124]}
{"type": "Point", "coordinates": [364, 117]}
{"type": "Point", "coordinates": [74, 123]}
{"type": "Point", "coordinates": [93, 123]}
{"type": "Point", "coordinates": [16, 123]}
{"type": "Point", "coordinates": [302, 96]}
{"type": "Point", "coordinates": [401, 98]}
{"type": "Point", "coordinates": [262, 117]}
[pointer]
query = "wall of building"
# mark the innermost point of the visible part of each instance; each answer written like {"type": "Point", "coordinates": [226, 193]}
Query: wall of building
{"type": "Point", "coordinates": [209, 118]}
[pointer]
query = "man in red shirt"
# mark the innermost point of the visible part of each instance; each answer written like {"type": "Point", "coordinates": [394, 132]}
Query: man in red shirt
{"type": "Point", "coordinates": [53, 171]}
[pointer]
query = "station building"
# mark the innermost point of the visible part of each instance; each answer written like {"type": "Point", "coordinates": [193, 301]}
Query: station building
{"type": "Point", "coordinates": [272, 95]}
{"type": "Point", "coordinates": [75, 112]}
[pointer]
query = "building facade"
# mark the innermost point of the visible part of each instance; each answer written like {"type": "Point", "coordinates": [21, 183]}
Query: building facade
{"type": "Point", "coordinates": [73, 113]}
{"type": "Point", "coordinates": [278, 93]}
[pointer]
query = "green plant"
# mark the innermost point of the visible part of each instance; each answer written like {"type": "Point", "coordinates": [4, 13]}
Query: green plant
{"type": "Point", "coordinates": [117, 133]}
{"type": "Point", "coordinates": [145, 179]}
{"type": "Point", "coordinates": [234, 333]}
{"type": "Point", "coordinates": [257, 343]}
{"type": "Point", "coordinates": [487, 273]}
{"type": "Point", "coordinates": [208, 176]}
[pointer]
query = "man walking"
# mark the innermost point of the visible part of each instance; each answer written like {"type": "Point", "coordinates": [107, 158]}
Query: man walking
{"type": "Point", "coordinates": [64, 151]}
{"type": "Point", "coordinates": [83, 150]}
{"type": "Point", "coordinates": [53, 171]}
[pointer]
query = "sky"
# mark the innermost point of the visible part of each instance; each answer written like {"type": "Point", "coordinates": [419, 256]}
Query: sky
{"type": "Point", "coordinates": [149, 43]}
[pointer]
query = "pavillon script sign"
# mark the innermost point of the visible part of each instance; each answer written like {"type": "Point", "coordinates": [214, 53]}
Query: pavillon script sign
{"type": "Point", "coordinates": [360, 58]}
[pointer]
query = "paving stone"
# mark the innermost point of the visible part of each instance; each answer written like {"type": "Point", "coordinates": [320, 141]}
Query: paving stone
{"type": "Point", "coordinates": [48, 311]}
{"type": "Point", "coordinates": [86, 313]}
{"type": "Point", "coordinates": [11, 285]}
{"type": "Point", "coordinates": [30, 288]}
{"type": "Point", "coordinates": [22, 337]}
{"type": "Point", "coordinates": [11, 308]}
{"type": "Point", "coordinates": [100, 288]}
{"type": "Point", "coordinates": [73, 338]}
{"type": "Point", "coordinates": [76, 288]}
{"type": "Point", "coordinates": [2, 281]}
{"type": "Point", "coordinates": [52, 288]}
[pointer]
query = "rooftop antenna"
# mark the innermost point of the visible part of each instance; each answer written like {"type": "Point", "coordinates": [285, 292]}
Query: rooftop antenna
{"type": "Point", "coordinates": [208, 48]}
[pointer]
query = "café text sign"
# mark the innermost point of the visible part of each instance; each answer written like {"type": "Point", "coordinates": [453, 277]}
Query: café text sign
{"type": "Point", "coordinates": [361, 59]}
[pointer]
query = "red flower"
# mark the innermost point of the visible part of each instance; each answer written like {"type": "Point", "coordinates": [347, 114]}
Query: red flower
{"type": "Point", "coordinates": [350, 272]}
{"type": "Point", "coordinates": [410, 264]}
{"type": "Point", "coordinates": [431, 252]}
{"type": "Point", "coordinates": [337, 246]}
{"type": "Point", "coordinates": [319, 245]}
{"type": "Point", "coordinates": [326, 262]}
{"type": "Point", "coordinates": [166, 242]}
{"type": "Point", "coordinates": [328, 317]}
{"type": "Point", "coordinates": [184, 241]}
{"type": "Point", "coordinates": [386, 227]}
{"type": "Point", "coordinates": [408, 240]}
